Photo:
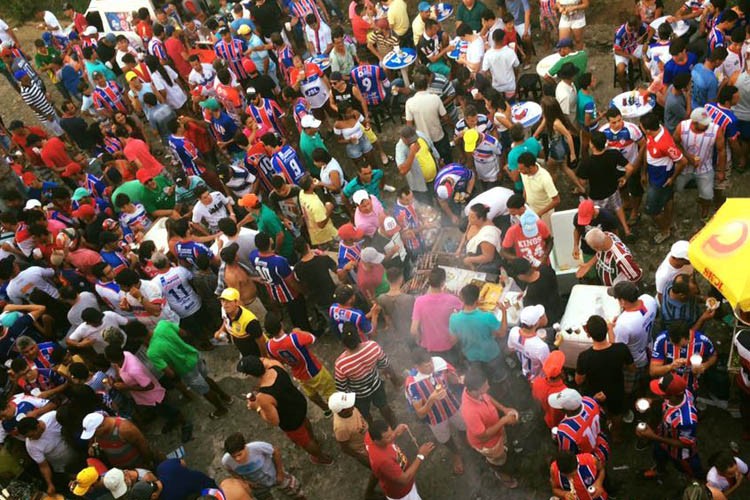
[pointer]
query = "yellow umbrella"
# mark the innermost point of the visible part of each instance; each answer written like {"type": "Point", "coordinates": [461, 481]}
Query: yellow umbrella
{"type": "Point", "coordinates": [721, 251]}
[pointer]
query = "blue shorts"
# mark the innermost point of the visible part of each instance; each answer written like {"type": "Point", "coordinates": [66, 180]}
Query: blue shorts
{"type": "Point", "coordinates": [358, 149]}
{"type": "Point", "coordinates": [657, 198]}
{"type": "Point", "coordinates": [558, 149]}
{"type": "Point", "coordinates": [744, 128]}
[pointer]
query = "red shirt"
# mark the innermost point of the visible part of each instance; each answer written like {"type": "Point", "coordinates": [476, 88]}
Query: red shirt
{"type": "Point", "coordinates": [360, 28]}
{"type": "Point", "coordinates": [531, 249]}
{"type": "Point", "coordinates": [199, 136]}
{"type": "Point", "coordinates": [175, 49]}
{"type": "Point", "coordinates": [20, 140]}
{"type": "Point", "coordinates": [54, 155]}
{"type": "Point", "coordinates": [136, 149]}
{"type": "Point", "coordinates": [80, 23]}
{"type": "Point", "coordinates": [144, 30]}
{"type": "Point", "coordinates": [479, 415]}
{"type": "Point", "coordinates": [387, 464]}
{"type": "Point", "coordinates": [541, 389]}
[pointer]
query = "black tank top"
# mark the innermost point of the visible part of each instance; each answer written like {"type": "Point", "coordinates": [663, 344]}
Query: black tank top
{"type": "Point", "coordinates": [347, 96]}
{"type": "Point", "coordinates": [290, 403]}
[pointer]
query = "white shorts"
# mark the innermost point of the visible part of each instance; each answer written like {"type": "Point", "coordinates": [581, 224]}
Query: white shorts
{"type": "Point", "coordinates": [442, 431]}
{"type": "Point", "coordinates": [624, 60]}
{"type": "Point", "coordinates": [574, 23]}
{"type": "Point", "coordinates": [521, 29]}
{"type": "Point", "coordinates": [52, 127]}
{"type": "Point", "coordinates": [412, 495]}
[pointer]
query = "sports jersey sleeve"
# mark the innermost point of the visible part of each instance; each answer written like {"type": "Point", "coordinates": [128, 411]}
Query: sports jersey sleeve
{"type": "Point", "coordinates": [710, 350]}
{"type": "Point", "coordinates": [304, 338]}
{"type": "Point", "coordinates": [364, 325]}
{"type": "Point", "coordinates": [618, 37]}
{"type": "Point", "coordinates": [659, 352]}
{"type": "Point", "coordinates": [543, 229]}
{"type": "Point", "coordinates": [509, 240]}
{"type": "Point", "coordinates": [283, 268]}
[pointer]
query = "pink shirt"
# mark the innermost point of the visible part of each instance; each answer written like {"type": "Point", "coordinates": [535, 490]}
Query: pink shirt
{"type": "Point", "coordinates": [433, 311]}
{"type": "Point", "coordinates": [136, 149]}
{"type": "Point", "coordinates": [133, 372]}
{"type": "Point", "coordinates": [369, 222]}
{"type": "Point", "coordinates": [84, 259]}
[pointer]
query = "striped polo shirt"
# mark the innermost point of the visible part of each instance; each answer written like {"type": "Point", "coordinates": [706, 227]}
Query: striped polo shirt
{"type": "Point", "coordinates": [34, 97]}
{"type": "Point", "coordinates": [359, 371]}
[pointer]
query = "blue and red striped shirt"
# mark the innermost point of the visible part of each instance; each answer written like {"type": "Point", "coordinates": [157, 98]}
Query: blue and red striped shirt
{"type": "Point", "coordinates": [582, 433]}
{"type": "Point", "coordinates": [681, 423]}
{"type": "Point", "coordinates": [286, 162]}
{"type": "Point", "coordinates": [371, 81]}
{"type": "Point", "coordinates": [340, 315]}
{"type": "Point", "coordinates": [419, 387]}
{"type": "Point", "coordinates": [268, 113]}
{"type": "Point", "coordinates": [291, 349]}
{"type": "Point", "coordinates": [232, 53]}
{"type": "Point", "coordinates": [109, 98]}
{"type": "Point", "coordinates": [273, 270]}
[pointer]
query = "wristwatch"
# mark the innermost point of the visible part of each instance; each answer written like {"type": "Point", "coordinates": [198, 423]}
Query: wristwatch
{"type": "Point", "coordinates": [420, 456]}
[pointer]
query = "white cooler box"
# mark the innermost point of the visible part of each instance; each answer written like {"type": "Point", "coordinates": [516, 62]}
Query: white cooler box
{"type": "Point", "coordinates": [561, 258]}
{"type": "Point", "coordinates": [584, 302]}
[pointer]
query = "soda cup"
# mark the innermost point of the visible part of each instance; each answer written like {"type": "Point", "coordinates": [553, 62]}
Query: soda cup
{"type": "Point", "coordinates": [641, 426]}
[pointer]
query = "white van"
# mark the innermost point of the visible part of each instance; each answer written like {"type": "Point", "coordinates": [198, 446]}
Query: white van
{"type": "Point", "coordinates": [117, 16]}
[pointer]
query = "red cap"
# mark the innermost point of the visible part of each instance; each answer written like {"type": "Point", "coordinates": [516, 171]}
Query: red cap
{"type": "Point", "coordinates": [143, 175]}
{"type": "Point", "coordinates": [669, 385]}
{"type": "Point", "coordinates": [28, 178]}
{"type": "Point", "coordinates": [249, 201]}
{"type": "Point", "coordinates": [585, 212]}
{"type": "Point", "coordinates": [71, 168]}
{"type": "Point", "coordinates": [84, 211]}
{"type": "Point", "coordinates": [349, 232]}
{"type": "Point", "coordinates": [553, 365]}
{"type": "Point", "coordinates": [249, 65]}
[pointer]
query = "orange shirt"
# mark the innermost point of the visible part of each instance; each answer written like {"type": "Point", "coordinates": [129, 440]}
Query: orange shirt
{"type": "Point", "coordinates": [541, 388]}
{"type": "Point", "coordinates": [479, 415]}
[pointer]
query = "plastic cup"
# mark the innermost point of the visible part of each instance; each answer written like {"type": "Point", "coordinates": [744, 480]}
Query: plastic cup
{"type": "Point", "coordinates": [642, 426]}
{"type": "Point", "coordinates": [696, 360]}
{"type": "Point", "coordinates": [288, 26]}
{"type": "Point", "coordinates": [553, 431]}
{"type": "Point", "coordinates": [642, 405]}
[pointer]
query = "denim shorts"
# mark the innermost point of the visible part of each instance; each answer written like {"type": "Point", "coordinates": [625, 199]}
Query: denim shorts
{"type": "Point", "coordinates": [195, 379]}
{"type": "Point", "coordinates": [705, 183]}
{"type": "Point", "coordinates": [558, 149]}
{"type": "Point", "coordinates": [657, 198]}
{"type": "Point", "coordinates": [358, 149]}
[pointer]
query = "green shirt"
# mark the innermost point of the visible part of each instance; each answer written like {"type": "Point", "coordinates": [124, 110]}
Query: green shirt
{"type": "Point", "coordinates": [530, 145]}
{"type": "Point", "coordinates": [471, 17]}
{"type": "Point", "coordinates": [167, 349]}
{"type": "Point", "coordinates": [269, 223]}
{"type": "Point", "coordinates": [134, 190]}
{"type": "Point", "coordinates": [586, 105]}
{"type": "Point", "coordinates": [579, 59]}
{"type": "Point", "coordinates": [475, 332]}
{"type": "Point", "coordinates": [157, 199]}
{"type": "Point", "coordinates": [44, 59]}
{"type": "Point", "coordinates": [308, 144]}
{"type": "Point", "coordinates": [373, 187]}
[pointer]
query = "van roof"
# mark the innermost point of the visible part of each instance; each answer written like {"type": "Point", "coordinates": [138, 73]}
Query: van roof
{"type": "Point", "coordinates": [120, 6]}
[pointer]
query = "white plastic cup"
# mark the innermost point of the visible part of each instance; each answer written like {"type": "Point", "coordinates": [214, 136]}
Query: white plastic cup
{"type": "Point", "coordinates": [642, 405]}
{"type": "Point", "coordinates": [642, 426]}
{"type": "Point", "coordinates": [553, 431]}
{"type": "Point", "coordinates": [696, 360]}
{"type": "Point", "coordinates": [288, 26]}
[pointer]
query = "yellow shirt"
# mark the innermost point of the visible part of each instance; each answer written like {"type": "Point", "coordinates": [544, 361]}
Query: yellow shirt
{"type": "Point", "coordinates": [540, 189]}
{"type": "Point", "coordinates": [315, 211]}
{"type": "Point", "coordinates": [417, 28]}
{"type": "Point", "coordinates": [426, 161]}
{"type": "Point", "coordinates": [398, 17]}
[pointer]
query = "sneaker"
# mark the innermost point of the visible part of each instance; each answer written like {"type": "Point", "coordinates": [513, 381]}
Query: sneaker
{"type": "Point", "coordinates": [628, 417]}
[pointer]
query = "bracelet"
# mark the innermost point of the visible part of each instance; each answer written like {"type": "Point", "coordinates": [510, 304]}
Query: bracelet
{"type": "Point", "coordinates": [420, 456]}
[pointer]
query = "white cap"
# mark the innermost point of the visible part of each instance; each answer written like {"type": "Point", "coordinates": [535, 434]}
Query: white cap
{"type": "Point", "coordinates": [389, 224]}
{"type": "Point", "coordinates": [371, 256]}
{"type": "Point", "coordinates": [32, 203]}
{"type": "Point", "coordinates": [91, 423]}
{"type": "Point", "coordinates": [567, 399]}
{"type": "Point", "coordinates": [679, 249]}
{"type": "Point", "coordinates": [360, 196]}
{"type": "Point", "coordinates": [341, 401]}
{"type": "Point", "coordinates": [700, 116]}
{"type": "Point", "coordinates": [309, 121]}
{"type": "Point", "coordinates": [114, 481]}
{"type": "Point", "coordinates": [90, 30]}
{"type": "Point", "coordinates": [530, 315]}
{"type": "Point", "coordinates": [442, 192]}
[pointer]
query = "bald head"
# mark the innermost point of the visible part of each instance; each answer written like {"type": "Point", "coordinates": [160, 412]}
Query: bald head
{"type": "Point", "coordinates": [597, 239]}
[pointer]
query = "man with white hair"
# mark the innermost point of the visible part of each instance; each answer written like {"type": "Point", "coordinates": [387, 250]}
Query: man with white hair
{"type": "Point", "coordinates": [677, 262]}
{"type": "Point", "coordinates": [613, 260]}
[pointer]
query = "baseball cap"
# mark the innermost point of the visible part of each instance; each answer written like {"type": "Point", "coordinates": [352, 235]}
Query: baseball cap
{"type": "Point", "coordinates": [249, 65]}
{"type": "Point", "coordinates": [90, 30]}
{"type": "Point", "coordinates": [80, 193]}
{"type": "Point", "coordinates": [142, 490]}
{"type": "Point", "coordinates": [530, 315]}
{"type": "Point", "coordinates": [243, 30]}
{"type": "Point", "coordinates": [444, 191]}
{"type": "Point", "coordinates": [585, 212]}
{"type": "Point", "coordinates": [230, 294]}
{"type": "Point", "coordinates": [679, 249]}
{"type": "Point", "coordinates": [210, 103]}
{"type": "Point", "coordinates": [249, 201]}
{"type": "Point", "coordinates": [471, 137]}
{"type": "Point", "coordinates": [85, 480]}
{"type": "Point", "coordinates": [91, 423]}
{"type": "Point", "coordinates": [309, 121]}
{"type": "Point", "coordinates": [143, 176]}
{"type": "Point", "coordinates": [28, 178]}
{"type": "Point", "coordinates": [84, 211]}
{"type": "Point", "coordinates": [529, 224]}
{"type": "Point", "coordinates": [251, 91]}
{"type": "Point", "coordinates": [8, 319]}
{"type": "Point", "coordinates": [111, 38]}
{"type": "Point", "coordinates": [564, 42]}
{"type": "Point", "coordinates": [360, 196]}
{"type": "Point", "coordinates": [669, 385]}
{"type": "Point", "coordinates": [423, 7]}
{"type": "Point", "coordinates": [109, 224]}
{"type": "Point", "coordinates": [625, 290]}
{"type": "Point", "coordinates": [341, 401]}
{"type": "Point", "coordinates": [32, 204]}
{"type": "Point", "coordinates": [700, 116]}
{"type": "Point", "coordinates": [567, 399]}
{"type": "Point", "coordinates": [114, 481]}
{"type": "Point", "coordinates": [389, 224]}
{"type": "Point", "coordinates": [553, 365]}
{"type": "Point", "coordinates": [71, 168]}
{"type": "Point", "coordinates": [130, 75]}
{"type": "Point", "coordinates": [349, 232]}
{"type": "Point", "coordinates": [19, 74]}
{"type": "Point", "coordinates": [371, 256]}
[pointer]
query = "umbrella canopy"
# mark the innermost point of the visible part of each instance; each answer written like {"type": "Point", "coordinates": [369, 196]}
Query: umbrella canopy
{"type": "Point", "coordinates": [721, 251]}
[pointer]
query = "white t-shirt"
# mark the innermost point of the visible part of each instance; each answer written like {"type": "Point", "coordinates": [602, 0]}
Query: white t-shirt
{"type": "Point", "coordinates": [51, 21]}
{"type": "Point", "coordinates": [500, 63]}
{"type": "Point", "coordinates": [50, 446]}
{"type": "Point", "coordinates": [532, 352]}
{"type": "Point", "coordinates": [153, 293]}
{"type": "Point", "coordinates": [176, 97]}
{"type": "Point", "coordinates": [4, 32]}
{"type": "Point", "coordinates": [85, 331]}
{"type": "Point", "coordinates": [325, 176]}
{"type": "Point", "coordinates": [496, 199]}
{"type": "Point", "coordinates": [567, 96]}
{"type": "Point", "coordinates": [713, 478]}
{"type": "Point", "coordinates": [204, 78]}
{"type": "Point", "coordinates": [323, 38]}
{"type": "Point", "coordinates": [489, 234]}
{"type": "Point", "coordinates": [246, 243]}
{"type": "Point", "coordinates": [180, 294]}
{"type": "Point", "coordinates": [85, 300]}
{"type": "Point", "coordinates": [475, 51]}
{"type": "Point", "coordinates": [633, 328]}
{"type": "Point", "coordinates": [19, 399]}
{"type": "Point", "coordinates": [213, 212]}
{"type": "Point", "coordinates": [27, 280]}
{"type": "Point", "coordinates": [665, 273]}
{"type": "Point", "coordinates": [120, 54]}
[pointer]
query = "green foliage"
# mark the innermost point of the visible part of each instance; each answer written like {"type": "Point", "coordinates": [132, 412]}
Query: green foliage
{"type": "Point", "coordinates": [23, 10]}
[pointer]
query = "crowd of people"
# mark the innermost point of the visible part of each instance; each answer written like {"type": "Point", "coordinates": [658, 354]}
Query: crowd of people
{"type": "Point", "coordinates": [223, 174]}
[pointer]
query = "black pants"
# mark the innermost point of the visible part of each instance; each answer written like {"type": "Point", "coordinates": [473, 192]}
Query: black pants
{"type": "Point", "coordinates": [407, 39]}
{"type": "Point", "coordinates": [246, 345]}
{"type": "Point", "coordinates": [297, 310]}
{"type": "Point", "coordinates": [443, 147]}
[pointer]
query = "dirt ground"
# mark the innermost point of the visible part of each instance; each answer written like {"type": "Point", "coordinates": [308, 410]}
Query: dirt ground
{"type": "Point", "coordinates": [346, 478]}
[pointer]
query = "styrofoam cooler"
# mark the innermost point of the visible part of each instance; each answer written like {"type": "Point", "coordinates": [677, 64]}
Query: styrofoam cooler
{"type": "Point", "coordinates": [561, 257]}
{"type": "Point", "coordinates": [585, 301]}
